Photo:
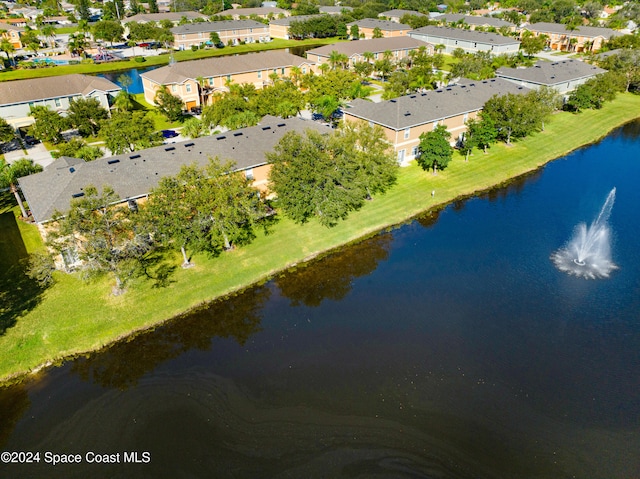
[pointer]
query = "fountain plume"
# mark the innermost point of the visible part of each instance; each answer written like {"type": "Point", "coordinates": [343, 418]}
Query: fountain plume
{"type": "Point", "coordinates": [588, 252]}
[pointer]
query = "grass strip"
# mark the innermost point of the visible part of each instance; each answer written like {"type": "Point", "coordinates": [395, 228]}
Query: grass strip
{"type": "Point", "coordinates": [73, 317]}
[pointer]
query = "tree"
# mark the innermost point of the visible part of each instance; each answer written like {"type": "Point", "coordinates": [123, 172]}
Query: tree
{"type": "Point", "coordinates": [123, 101]}
{"type": "Point", "coordinates": [215, 38]}
{"type": "Point", "coordinates": [531, 44]}
{"type": "Point", "coordinates": [434, 150]}
{"type": "Point", "coordinates": [354, 32]}
{"type": "Point", "coordinates": [153, 6]}
{"type": "Point", "coordinates": [31, 40]}
{"type": "Point", "coordinates": [49, 125]}
{"type": "Point", "coordinates": [108, 30]}
{"type": "Point", "coordinates": [7, 47]}
{"type": "Point", "coordinates": [377, 33]}
{"type": "Point", "coordinates": [82, 8]}
{"type": "Point", "coordinates": [100, 229]}
{"type": "Point", "coordinates": [511, 115]}
{"type": "Point", "coordinates": [203, 209]}
{"type": "Point", "coordinates": [129, 131]}
{"type": "Point", "coordinates": [373, 158]}
{"type": "Point", "coordinates": [483, 132]}
{"type": "Point", "coordinates": [78, 148]}
{"type": "Point", "coordinates": [311, 178]}
{"type": "Point", "coordinates": [86, 114]}
{"type": "Point", "coordinates": [169, 105]}
{"type": "Point", "coordinates": [7, 133]}
{"type": "Point", "coordinates": [193, 128]}
{"type": "Point", "coordinates": [49, 31]}
{"type": "Point", "coordinates": [9, 174]}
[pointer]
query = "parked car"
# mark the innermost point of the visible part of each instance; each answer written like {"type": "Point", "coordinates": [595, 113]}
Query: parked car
{"type": "Point", "coordinates": [30, 141]}
{"type": "Point", "coordinates": [196, 110]}
{"type": "Point", "coordinates": [169, 133]}
{"type": "Point", "coordinates": [317, 117]}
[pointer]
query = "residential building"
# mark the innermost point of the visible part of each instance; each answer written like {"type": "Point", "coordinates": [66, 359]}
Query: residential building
{"type": "Point", "coordinates": [468, 40]}
{"type": "Point", "coordinates": [337, 10]}
{"type": "Point", "coordinates": [388, 28]}
{"type": "Point", "coordinates": [563, 76]}
{"type": "Point", "coordinates": [258, 12]}
{"type": "Point", "coordinates": [17, 97]}
{"type": "Point", "coordinates": [398, 46]}
{"type": "Point", "coordinates": [396, 14]}
{"type": "Point", "coordinates": [195, 81]}
{"type": "Point", "coordinates": [231, 32]}
{"type": "Point", "coordinates": [173, 17]}
{"type": "Point", "coordinates": [134, 175]}
{"type": "Point", "coordinates": [563, 38]}
{"type": "Point", "coordinates": [13, 34]}
{"type": "Point", "coordinates": [405, 118]}
{"type": "Point", "coordinates": [279, 28]}
{"type": "Point", "coordinates": [474, 21]}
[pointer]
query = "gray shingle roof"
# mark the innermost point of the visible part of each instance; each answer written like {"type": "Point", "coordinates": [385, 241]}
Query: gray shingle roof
{"type": "Point", "coordinates": [375, 45]}
{"type": "Point", "coordinates": [254, 11]}
{"type": "Point", "coordinates": [421, 108]}
{"type": "Point", "coordinates": [466, 35]}
{"type": "Point", "coordinates": [220, 66]}
{"type": "Point", "coordinates": [384, 25]}
{"type": "Point", "coordinates": [399, 13]}
{"type": "Point", "coordinates": [133, 175]}
{"type": "Point", "coordinates": [158, 17]}
{"type": "Point", "coordinates": [331, 9]}
{"type": "Point", "coordinates": [474, 20]}
{"type": "Point", "coordinates": [221, 26]}
{"type": "Point", "coordinates": [287, 21]}
{"type": "Point", "coordinates": [547, 73]}
{"type": "Point", "coordinates": [581, 31]}
{"type": "Point", "coordinates": [35, 89]}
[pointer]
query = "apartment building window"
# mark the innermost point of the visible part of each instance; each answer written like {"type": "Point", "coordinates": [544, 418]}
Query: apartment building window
{"type": "Point", "coordinates": [188, 87]}
{"type": "Point", "coordinates": [401, 154]}
{"type": "Point", "coordinates": [210, 81]}
{"type": "Point", "coordinates": [435, 124]}
{"type": "Point", "coordinates": [407, 131]}
{"type": "Point", "coordinates": [251, 30]}
{"type": "Point", "coordinates": [465, 117]}
{"type": "Point", "coordinates": [249, 174]}
{"type": "Point", "coordinates": [259, 74]}
{"type": "Point", "coordinates": [57, 101]}
{"type": "Point", "coordinates": [414, 151]}
{"type": "Point", "coordinates": [174, 88]}
{"type": "Point", "coordinates": [184, 36]}
{"type": "Point", "coordinates": [282, 71]}
{"type": "Point", "coordinates": [228, 77]}
{"type": "Point", "coordinates": [304, 70]}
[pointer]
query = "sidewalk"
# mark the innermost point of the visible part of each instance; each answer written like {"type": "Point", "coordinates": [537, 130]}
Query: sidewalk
{"type": "Point", "coordinates": [38, 153]}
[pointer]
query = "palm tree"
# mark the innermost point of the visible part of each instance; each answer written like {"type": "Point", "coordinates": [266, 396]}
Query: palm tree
{"type": "Point", "coordinates": [7, 47]}
{"type": "Point", "coordinates": [9, 174]}
{"type": "Point", "coordinates": [336, 58]}
{"type": "Point", "coordinates": [49, 31]}
{"type": "Point", "coordinates": [201, 86]}
{"type": "Point", "coordinates": [369, 56]}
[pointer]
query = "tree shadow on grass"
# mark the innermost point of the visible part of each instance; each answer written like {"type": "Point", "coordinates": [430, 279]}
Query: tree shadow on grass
{"type": "Point", "coordinates": [19, 294]}
{"type": "Point", "coordinates": [155, 267]}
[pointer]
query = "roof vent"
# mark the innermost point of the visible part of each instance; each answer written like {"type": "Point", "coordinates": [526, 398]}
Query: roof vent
{"type": "Point", "coordinates": [77, 195]}
{"type": "Point", "coordinates": [171, 148]}
{"type": "Point", "coordinates": [220, 137]}
{"type": "Point", "coordinates": [438, 91]}
{"type": "Point", "coordinates": [265, 128]}
{"type": "Point", "coordinates": [133, 157]}
{"type": "Point", "coordinates": [238, 134]}
{"type": "Point", "coordinates": [187, 145]}
{"type": "Point", "coordinates": [72, 170]}
{"type": "Point", "coordinates": [407, 113]}
{"type": "Point", "coordinates": [282, 124]}
{"type": "Point", "coordinates": [412, 96]}
{"type": "Point", "coordinates": [392, 101]}
{"type": "Point", "coordinates": [485, 81]}
{"type": "Point", "coordinates": [113, 162]}
{"type": "Point", "coordinates": [463, 86]}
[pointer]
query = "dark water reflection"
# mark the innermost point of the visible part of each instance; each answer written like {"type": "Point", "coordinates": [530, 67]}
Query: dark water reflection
{"type": "Point", "coordinates": [448, 348]}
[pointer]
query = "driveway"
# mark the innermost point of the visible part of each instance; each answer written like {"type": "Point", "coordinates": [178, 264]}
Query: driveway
{"type": "Point", "coordinates": [38, 153]}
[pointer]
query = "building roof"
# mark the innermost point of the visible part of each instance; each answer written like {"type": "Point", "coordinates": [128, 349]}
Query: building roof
{"type": "Point", "coordinates": [581, 31]}
{"type": "Point", "coordinates": [466, 35]}
{"type": "Point", "coordinates": [474, 20]}
{"type": "Point", "coordinates": [399, 13]}
{"type": "Point", "coordinates": [220, 66]}
{"type": "Point", "coordinates": [421, 108]}
{"type": "Point", "coordinates": [10, 27]}
{"type": "Point", "coordinates": [547, 73]}
{"type": "Point", "coordinates": [221, 26]}
{"type": "Point", "coordinates": [336, 9]}
{"type": "Point", "coordinates": [35, 89]}
{"type": "Point", "coordinates": [287, 21]}
{"type": "Point", "coordinates": [133, 175]}
{"type": "Point", "coordinates": [384, 25]}
{"type": "Point", "coordinates": [158, 17]}
{"type": "Point", "coordinates": [375, 45]}
{"type": "Point", "coordinates": [255, 11]}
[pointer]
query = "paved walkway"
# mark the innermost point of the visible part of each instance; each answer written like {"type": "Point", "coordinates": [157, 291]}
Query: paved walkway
{"type": "Point", "coordinates": [38, 153]}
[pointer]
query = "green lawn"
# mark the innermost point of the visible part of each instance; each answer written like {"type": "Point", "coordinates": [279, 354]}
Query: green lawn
{"type": "Point", "coordinates": [73, 317]}
{"type": "Point", "coordinates": [86, 68]}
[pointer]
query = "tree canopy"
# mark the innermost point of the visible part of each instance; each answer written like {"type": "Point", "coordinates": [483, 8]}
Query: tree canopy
{"type": "Point", "coordinates": [434, 149]}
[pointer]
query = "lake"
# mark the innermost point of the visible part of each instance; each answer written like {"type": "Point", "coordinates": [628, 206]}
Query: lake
{"type": "Point", "coordinates": [450, 347]}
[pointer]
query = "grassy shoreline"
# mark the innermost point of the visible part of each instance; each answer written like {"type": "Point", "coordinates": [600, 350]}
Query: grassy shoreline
{"type": "Point", "coordinates": [74, 318]}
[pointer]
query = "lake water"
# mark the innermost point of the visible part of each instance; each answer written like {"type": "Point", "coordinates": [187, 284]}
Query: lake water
{"type": "Point", "coordinates": [450, 347]}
